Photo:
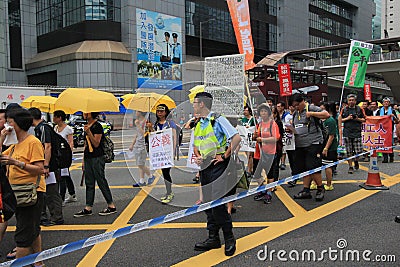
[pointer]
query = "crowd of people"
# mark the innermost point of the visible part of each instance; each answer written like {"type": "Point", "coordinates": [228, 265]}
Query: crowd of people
{"type": "Point", "coordinates": [307, 135]}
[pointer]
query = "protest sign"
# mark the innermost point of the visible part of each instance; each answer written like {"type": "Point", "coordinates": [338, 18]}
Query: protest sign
{"type": "Point", "coordinates": [247, 143]}
{"type": "Point", "coordinates": [191, 160]}
{"type": "Point", "coordinates": [161, 149]}
{"type": "Point", "coordinates": [378, 133]}
{"type": "Point", "coordinates": [285, 82]}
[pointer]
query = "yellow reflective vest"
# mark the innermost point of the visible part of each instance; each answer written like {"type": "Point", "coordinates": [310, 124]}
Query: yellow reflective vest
{"type": "Point", "coordinates": [206, 141]}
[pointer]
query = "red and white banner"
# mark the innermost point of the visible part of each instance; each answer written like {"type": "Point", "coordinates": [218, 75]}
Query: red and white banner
{"type": "Point", "coordinates": [378, 133]}
{"type": "Point", "coordinates": [367, 92]}
{"type": "Point", "coordinates": [285, 82]}
{"type": "Point", "coordinates": [240, 16]}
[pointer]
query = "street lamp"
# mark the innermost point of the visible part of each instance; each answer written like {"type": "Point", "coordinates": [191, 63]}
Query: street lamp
{"type": "Point", "coordinates": [201, 36]}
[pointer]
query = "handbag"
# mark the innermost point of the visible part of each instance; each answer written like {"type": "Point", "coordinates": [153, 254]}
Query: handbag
{"type": "Point", "coordinates": [244, 181]}
{"type": "Point", "coordinates": [26, 194]}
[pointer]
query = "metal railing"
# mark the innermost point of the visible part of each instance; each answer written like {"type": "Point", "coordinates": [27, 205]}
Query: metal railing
{"type": "Point", "coordinates": [315, 64]}
{"type": "Point", "coordinates": [375, 84]}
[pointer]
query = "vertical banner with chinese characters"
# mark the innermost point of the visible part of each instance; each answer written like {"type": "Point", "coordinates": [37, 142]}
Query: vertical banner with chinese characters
{"type": "Point", "coordinates": [240, 16]}
{"type": "Point", "coordinates": [159, 50]}
{"type": "Point", "coordinates": [191, 160]}
{"type": "Point", "coordinates": [378, 133]}
{"type": "Point", "coordinates": [285, 82]}
{"type": "Point", "coordinates": [367, 92]}
{"type": "Point", "coordinates": [247, 143]}
{"type": "Point", "coordinates": [225, 80]}
{"type": "Point", "coordinates": [161, 149]}
{"type": "Point", "coordinates": [357, 64]}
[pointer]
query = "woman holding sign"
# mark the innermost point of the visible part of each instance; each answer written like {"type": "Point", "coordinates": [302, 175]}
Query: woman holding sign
{"type": "Point", "coordinates": [162, 123]}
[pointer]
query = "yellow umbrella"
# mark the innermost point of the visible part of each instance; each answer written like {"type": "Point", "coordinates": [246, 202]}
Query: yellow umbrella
{"type": "Point", "coordinates": [194, 91]}
{"type": "Point", "coordinates": [87, 100]}
{"type": "Point", "coordinates": [44, 103]}
{"type": "Point", "coordinates": [361, 103]}
{"type": "Point", "coordinates": [126, 96]}
{"type": "Point", "coordinates": [147, 102]}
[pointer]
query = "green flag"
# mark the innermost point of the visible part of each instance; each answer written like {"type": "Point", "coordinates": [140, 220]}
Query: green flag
{"type": "Point", "coordinates": [357, 64]}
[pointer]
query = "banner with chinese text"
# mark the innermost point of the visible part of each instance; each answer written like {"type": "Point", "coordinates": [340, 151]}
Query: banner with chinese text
{"type": "Point", "coordinates": [367, 92]}
{"type": "Point", "coordinates": [247, 143]}
{"type": "Point", "coordinates": [191, 160]}
{"type": "Point", "coordinates": [285, 82]}
{"type": "Point", "coordinates": [378, 133]}
{"type": "Point", "coordinates": [161, 149]}
{"type": "Point", "coordinates": [357, 64]}
{"type": "Point", "coordinates": [159, 50]}
{"type": "Point", "coordinates": [240, 16]}
{"type": "Point", "coordinates": [224, 79]}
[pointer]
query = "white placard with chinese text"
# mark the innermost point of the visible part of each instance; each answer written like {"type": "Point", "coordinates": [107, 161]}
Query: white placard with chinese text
{"type": "Point", "coordinates": [161, 149]}
{"type": "Point", "coordinates": [224, 79]}
{"type": "Point", "coordinates": [191, 160]}
{"type": "Point", "coordinates": [247, 143]}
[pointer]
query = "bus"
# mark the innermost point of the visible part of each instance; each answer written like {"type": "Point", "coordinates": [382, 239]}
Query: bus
{"type": "Point", "coordinates": [264, 83]}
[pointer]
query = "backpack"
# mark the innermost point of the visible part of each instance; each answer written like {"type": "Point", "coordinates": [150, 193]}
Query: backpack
{"type": "Point", "coordinates": [60, 149]}
{"type": "Point", "coordinates": [108, 149]}
{"type": "Point", "coordinates": [320, 127]}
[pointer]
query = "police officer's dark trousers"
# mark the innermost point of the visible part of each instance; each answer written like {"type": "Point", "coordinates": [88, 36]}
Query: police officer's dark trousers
{"type": "Point", "coordinates": [214, 185]}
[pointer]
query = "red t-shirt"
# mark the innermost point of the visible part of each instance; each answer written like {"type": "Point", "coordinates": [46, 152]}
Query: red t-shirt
{"type": "Point", "coordinates": [264, 130]}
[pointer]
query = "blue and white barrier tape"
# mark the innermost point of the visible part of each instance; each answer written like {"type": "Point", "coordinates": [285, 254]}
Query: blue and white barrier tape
{"type": "Point", "coordinates": [91, 241]}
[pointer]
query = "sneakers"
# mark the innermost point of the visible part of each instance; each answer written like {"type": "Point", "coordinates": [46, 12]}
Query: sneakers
{"type": "Point", "coordinates": [328, 188]}
{"type": "Point", "coordinates": [303, 195]}
{"type": "Point", "coordinates": [260, 196]}
{"type": "Point", "coordinates": [139, 184]}
{"type": "Point", "coordinates": [292, 183]}
{"type": "Point", "coordinates": [313, 186]}
{"type": "Point", "coordinates": [320, 195]}
{"type": "Point", "coordinates": [151, 180]}
{"type": "Point", "coordinates": [108, 211]}
{"type": "Point", "coordinates": [70, 199]}
{"type": "Point", "coordinates": [350, 171]}
{"type": "Point", "coordinates": [167, 198]}
{"type": "Point", "coordinates": [356, 165]}
{"type": "Point", "coordinates": [282, 167]}
{"type": "Point", "coordinates": [83, 212]}
{"type": "Point", "coordinates": [267, 199]}
{"type": "Point", "coordinates": [46, 223]}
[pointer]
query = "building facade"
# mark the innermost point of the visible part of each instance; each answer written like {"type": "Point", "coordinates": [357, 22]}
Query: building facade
{"type": "Point", "coordinates": [107, 44]}
{"type": "Point", "coordinates": [390, 14]}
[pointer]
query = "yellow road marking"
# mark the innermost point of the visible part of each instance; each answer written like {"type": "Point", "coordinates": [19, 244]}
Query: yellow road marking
{"type": "Point", "coordinates": [99, 250]}
{"type": "Point", "coordinates": [213, 257]}
{"type": "Point", "coordinates": [293, 207]}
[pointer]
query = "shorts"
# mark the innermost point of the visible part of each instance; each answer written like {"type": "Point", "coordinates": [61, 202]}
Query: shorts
{"type": "Point", "coordinates": [28, 223]}
{"type": "Point", "coordinates": [307, 158]}
{"type": "Point", "coordinates": [331, 157]}
{"type": "Point", "coordinates": [353, 146]}
{"type": "Point", "coordinates": [140, 157]}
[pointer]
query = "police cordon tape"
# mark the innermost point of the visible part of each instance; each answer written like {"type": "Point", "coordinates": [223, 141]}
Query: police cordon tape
{"type": "Point", "coordinates": [91, 241]}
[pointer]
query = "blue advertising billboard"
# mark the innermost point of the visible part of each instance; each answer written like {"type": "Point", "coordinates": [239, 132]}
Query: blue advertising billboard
{"type": "Point", "coordinates": [159, 50]}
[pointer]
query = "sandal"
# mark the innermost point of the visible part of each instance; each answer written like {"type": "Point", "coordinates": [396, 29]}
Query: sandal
{"type": "Point", "coordinates": [12, 254]}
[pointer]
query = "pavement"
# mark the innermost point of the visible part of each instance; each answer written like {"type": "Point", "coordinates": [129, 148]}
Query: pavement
{"type": "Point", "coordinates": [349, 223]}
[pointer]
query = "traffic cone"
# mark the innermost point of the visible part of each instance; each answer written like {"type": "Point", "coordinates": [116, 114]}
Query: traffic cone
{"type": "Point", "coordinates": [374, 179]}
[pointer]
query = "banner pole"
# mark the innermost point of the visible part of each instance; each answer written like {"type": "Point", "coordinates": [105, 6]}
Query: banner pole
{"type": "Point", "coordinates": [341, 98]}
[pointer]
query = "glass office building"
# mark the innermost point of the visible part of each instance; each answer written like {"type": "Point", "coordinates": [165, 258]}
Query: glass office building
{"type": "Point", "coordinates": [94, 43]}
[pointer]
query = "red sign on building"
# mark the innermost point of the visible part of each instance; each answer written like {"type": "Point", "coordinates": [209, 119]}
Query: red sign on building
{"type": "Point", "coordinates": [367, 92]}
{"type": "Point", "coordinates": [285, 82]}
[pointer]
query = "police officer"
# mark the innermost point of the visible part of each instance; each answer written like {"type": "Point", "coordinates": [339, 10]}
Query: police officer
{"type": "Point", "coordinates": [165, 46]}
{"type": "Point", "coordinates": [176, 50]}
{"type": "Point", "coordinates": [210, 147]}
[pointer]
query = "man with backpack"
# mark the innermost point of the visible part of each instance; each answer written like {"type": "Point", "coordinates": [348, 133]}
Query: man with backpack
{"type": "Point", "coordinates": [93, 166]}
{"type": "Point", "coordinates": [53, 200]}
{"type": "Point", "coordinates": [352, 118]}
{"type": "Point", "coordinates": [309, 139]}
